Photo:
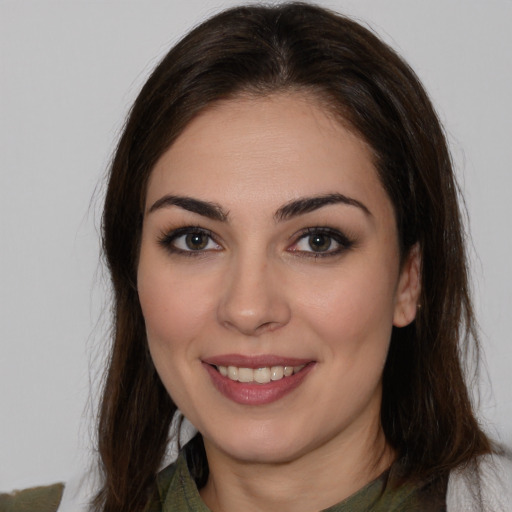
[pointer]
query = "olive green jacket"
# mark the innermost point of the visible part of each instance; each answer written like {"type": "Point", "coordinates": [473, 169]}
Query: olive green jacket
{"type": "Point", "coordinates": [37, 499]}
{"type": "Point", "coordinates": [486, 488]}
{"type": "Point", "coordinates": [177, 492]}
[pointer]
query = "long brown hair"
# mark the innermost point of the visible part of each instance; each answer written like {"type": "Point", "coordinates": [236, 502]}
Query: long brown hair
{"type": "Point", "coordinates": [427, 414]}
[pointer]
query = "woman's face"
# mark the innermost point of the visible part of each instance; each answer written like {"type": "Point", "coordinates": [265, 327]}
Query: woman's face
{"type": "Point", "coordinates": [269, 278]}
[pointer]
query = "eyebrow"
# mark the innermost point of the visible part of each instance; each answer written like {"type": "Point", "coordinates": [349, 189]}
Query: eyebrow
{"type": "Point", "coordinates": [292, 209]}
{"type": "Point", "coordinates": [205, 208]}
{"type": "Point", "coordinates": [309, 204]}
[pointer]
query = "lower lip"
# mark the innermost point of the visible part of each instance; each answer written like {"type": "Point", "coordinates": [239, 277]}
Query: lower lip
{"type": "Point", "coordinates": [251, 393]}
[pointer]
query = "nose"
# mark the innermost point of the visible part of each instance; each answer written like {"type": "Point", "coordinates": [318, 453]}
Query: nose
{"type": "Point", "coordinates": [253, 301]}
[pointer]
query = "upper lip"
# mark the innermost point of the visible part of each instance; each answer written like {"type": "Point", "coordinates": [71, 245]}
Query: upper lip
{"type": "Point", "coordinates": [257, 361]}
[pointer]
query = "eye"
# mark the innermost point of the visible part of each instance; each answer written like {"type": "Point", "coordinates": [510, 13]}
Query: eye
{"type": "Point", "coordinates": [321, 242]}
{"type": "Point", "coordinates": [189, 240]}
{"type": "Point", "coordinates": [193, 242]}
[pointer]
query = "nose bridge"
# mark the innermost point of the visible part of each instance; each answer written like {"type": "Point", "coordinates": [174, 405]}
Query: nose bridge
{"type": "Point", "coordinates": [253, 301]}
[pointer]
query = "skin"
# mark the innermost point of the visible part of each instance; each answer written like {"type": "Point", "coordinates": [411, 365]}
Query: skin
{"type": "Point", "coordinates": [258, 287]}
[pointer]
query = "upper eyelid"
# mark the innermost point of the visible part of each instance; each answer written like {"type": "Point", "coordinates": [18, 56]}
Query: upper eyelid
{"type": "Point", "coordinates": [183, 230]}
{"type": "Point", "coordinates": [167, 236]}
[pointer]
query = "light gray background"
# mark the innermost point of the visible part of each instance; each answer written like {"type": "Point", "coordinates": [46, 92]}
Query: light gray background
{"type": "Point", "coordinates": [69, 72]}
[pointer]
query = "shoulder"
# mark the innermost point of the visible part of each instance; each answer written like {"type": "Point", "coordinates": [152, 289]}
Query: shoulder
{"type": "Point", "coordinates": [485, 486]}
{"type": "Point", "coordinates": [36, 499]}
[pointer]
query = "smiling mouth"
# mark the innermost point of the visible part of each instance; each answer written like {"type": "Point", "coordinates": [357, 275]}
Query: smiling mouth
{"type": "Point", "coordinates": [257, 380]}
{"type": "Point", "coordinates": [262, 375]}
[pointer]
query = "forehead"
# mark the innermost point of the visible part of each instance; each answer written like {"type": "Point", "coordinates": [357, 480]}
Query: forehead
{"type": "Point", "coordinates": [265, 151]}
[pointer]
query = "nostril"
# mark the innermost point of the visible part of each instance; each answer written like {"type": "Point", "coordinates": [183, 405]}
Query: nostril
{"type": "Point", "coordinates": [269, 326]}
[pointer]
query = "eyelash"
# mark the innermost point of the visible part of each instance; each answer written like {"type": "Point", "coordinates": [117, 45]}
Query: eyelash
{"type": "Point", "coordinates": [343, 241]}
{"type": "Point", "coordinates": [168, 241]}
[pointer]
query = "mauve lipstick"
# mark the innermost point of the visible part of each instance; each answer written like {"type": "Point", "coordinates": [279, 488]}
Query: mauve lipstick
{"type": "Point", "coordinates": [252, 393]}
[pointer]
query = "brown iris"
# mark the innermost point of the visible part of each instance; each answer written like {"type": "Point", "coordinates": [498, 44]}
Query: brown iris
{"type": "Point", "coordinates": [319, 242]}
{"type": "Point", "coordinates": [196, 241]}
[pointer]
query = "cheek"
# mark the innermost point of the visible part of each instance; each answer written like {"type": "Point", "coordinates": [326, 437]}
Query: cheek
{"type": "Point", "coordinates": [175, 312]}
{"type": "Point", "coordinates": [351, 303]}
{"type": "Point", "coordinates": [352, 313]}
{"type": "Point", "coordinates": [170, 303]}
{"type": "Point", "coordinates": [173, 307]}
{"type": "Point", "coordinates": [353, 317]}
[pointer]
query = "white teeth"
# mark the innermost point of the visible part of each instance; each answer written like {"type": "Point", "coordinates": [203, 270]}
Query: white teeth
{"type": "Point", "coordinates": [245, 374]}
{"type": "Point", "coordinates": [276, 373]}
{"type": "Point", "coordinates": [260, 375]}
{"type": "Point", "coordinates": [233, 372]}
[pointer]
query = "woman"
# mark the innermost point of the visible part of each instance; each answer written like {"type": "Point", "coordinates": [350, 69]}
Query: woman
{"type": "Point", "coordinates": [284, 240]}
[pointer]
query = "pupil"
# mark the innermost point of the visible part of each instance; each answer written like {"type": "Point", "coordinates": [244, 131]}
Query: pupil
{"type": "Point", "coordinates": [319, 243]}
{"type": "Point", "coordinates": [196, 241]}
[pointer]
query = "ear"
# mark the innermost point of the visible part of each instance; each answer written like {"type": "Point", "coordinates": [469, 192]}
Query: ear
{"type": "Point", "coordinates": [408, 290]}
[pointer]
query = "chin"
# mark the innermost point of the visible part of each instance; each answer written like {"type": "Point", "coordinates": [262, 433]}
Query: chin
{"type": "Point", "coordinates": [260, 445]}
{"type": "Point", "coordinates": [256, 453]}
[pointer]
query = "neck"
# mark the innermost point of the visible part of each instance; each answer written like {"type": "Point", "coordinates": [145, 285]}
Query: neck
{"type": "Point", "coordinates": [313, 481]}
